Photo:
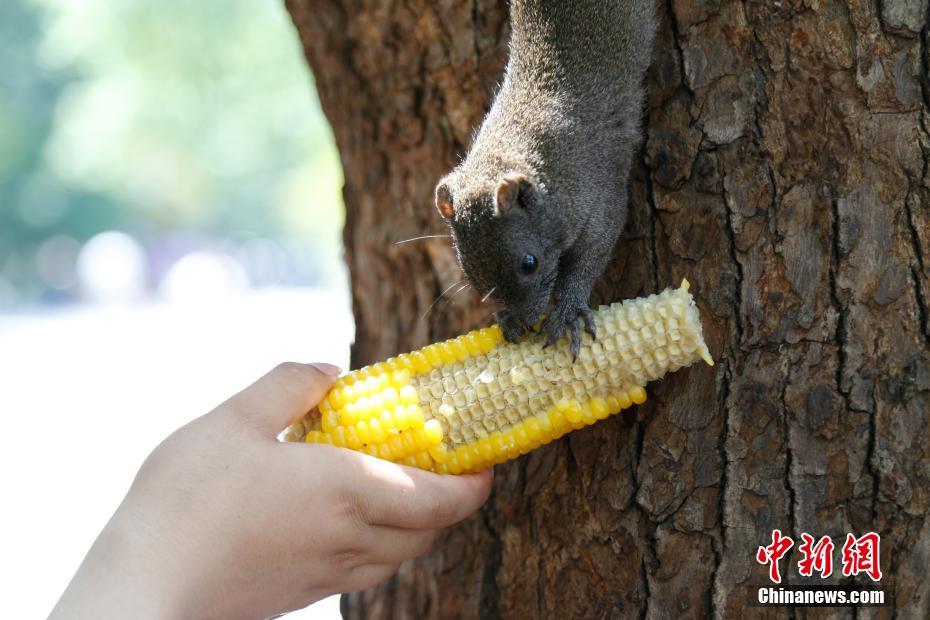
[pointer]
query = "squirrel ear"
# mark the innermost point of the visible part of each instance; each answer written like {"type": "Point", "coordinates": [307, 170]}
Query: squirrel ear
{"type": "Point", "coordinates": [444, 201]}
{"type": "Point", "coordinates": [508, 190]}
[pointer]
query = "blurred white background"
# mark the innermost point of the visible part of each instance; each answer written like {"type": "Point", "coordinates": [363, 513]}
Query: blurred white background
{"type": "Point", "coordinates": [87, 393]}
{"type": "Point", "coordinates": [170, 218]}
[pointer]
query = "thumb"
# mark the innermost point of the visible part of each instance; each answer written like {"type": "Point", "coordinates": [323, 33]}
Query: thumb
{"type": "Point", "coordinates": [280, 397]}
{"type": "Point", "coordinates": [408, 497]}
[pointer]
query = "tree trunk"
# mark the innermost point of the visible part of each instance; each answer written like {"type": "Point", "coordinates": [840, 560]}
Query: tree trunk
{"type": "Point", "coordinates": [785, 174]}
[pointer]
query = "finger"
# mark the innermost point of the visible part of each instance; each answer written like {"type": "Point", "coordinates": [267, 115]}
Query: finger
{"type": "Point", "coordinates": [287, 392]}
{"type": "Point", "coordinates": [385, 545]}
{"type": "Point", "coordinates": [368, 575]}
{"type": "Point", "coordinates": [400, 496]}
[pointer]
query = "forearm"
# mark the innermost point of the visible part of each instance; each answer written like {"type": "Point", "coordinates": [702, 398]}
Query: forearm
{"type": "Point", "coordinates": [122, 577]}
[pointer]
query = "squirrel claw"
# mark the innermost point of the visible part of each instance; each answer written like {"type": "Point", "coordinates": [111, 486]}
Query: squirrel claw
{"type": "Point", "coordinates": [511, 328]}
{"type": "Point", "coordinates": [588, 317]}
{"type": "Point", "coordinates": [569, 316]}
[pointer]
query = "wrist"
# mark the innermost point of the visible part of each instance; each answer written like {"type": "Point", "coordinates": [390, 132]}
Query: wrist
{"type": "Point", "coordinates": [126, 574]}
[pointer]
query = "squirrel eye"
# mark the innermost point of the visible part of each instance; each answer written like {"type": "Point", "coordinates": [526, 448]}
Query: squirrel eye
{"type": "Point", "coordinates": [528, 264]}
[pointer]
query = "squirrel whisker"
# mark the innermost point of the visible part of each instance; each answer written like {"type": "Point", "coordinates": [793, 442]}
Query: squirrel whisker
{"type": "Point", "coordinates": [442, 294]}
{"type": "Point", "coordinates": [449, 299]}
{"type": "Point", "coordinates": [423, 237]}
{"type": "Point", "coordinates": [485, 298]}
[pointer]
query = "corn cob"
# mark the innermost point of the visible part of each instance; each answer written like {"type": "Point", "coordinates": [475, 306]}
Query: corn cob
{"type": "Point", "coordinates": [465, 404]}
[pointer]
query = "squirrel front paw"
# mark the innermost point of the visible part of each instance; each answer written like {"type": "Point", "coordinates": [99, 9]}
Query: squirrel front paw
{"type": "Point", "coordinates": [512, 329]}
{"type": "Point", "coordinates": [568, 314]}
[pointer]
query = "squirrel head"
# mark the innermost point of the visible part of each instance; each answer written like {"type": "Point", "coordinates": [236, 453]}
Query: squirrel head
{"type": "Point", "coordinates": [502, 240]}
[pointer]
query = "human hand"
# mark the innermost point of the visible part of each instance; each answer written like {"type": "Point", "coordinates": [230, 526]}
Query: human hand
{"type": "Point", "coordinates": [224, 521]}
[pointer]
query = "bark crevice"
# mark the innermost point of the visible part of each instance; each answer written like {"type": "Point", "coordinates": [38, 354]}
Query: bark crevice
{"type": "Point", "coordinates": [720, 546]}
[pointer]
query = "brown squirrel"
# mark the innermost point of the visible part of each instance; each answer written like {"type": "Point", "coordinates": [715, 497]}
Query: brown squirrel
{"type": "Point", "coordinates": [540, 199]}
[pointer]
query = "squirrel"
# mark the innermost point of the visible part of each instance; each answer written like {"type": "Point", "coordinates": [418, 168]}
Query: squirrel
{"type": "Point", "coordinates": [537, 204]}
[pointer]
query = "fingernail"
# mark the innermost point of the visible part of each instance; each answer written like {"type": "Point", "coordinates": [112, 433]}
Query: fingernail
{"type": "Point", "coordinates": [327, 369]}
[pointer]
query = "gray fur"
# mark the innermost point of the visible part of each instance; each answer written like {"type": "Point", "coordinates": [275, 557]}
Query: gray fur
{"type": "Point", "coordinates": [567, 118]}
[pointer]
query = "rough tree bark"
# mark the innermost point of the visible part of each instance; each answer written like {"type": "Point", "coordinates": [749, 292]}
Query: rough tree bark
{"type": "Point", "coordinates": [785, 174]}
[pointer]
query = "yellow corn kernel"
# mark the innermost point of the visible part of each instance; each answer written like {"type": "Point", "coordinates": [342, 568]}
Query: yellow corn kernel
{"type": "Point", "coordinates": [475, 453]}
{"type": "Point", "coordinates": [464, 458]}
{"type": "Point", "coordinates": [485, 449]}
{"type": "Point", "coordinates": [458, 349]}
{"type": "Point", "coordinates": [401, 378]}
{"type": "Point", "coordinates": [363, 430]}
{"type": "Point", "coordinates": [348, 415]}
{"type": "Point", "coordinates": [485, 341]}
{"type": "Point", "coordinates": [513, 450]}
{"type": "Point", "coordinates": [402, 418]}
{"type": "Point", "coordinates": [396, 444]}
{"type": "Point", "coordinates": [420, 363]}
{"type": "Point", "coordinates": [613, 405]}
{"type": "Point", "coordinates": [390, 398]}
{"type": "Point", "coordinates": [453, 464]}
{"type": "Point", "coordinates": [405, 361]}
{"type": "Point", "coordinates": [419, 436]}
{"type": "Point", "coordinates": [587, 414]}
{"type": "Point", "coordinates": [572, 411]}
{"type": "Point", "coordinates": [384, 452]}
{"type": "Point", "coordinates": [471, 344]}
{"type": "Point", "coordinates": [330, 421]}
{"type": "Point", "coordinates": [433, 431]}
{"type": "Point", "coordinates": [497, 443]}
{"type": "Point", "coordinates": [599, 408]}
{"type": "Point", "coordinates": [520, 437]}
{"type": "Point", "coordinates": [533, 430]}
{"type": "Point", "coordinates": [387, 421]}
{"type": "Point", "coordinates": [438, 453]}
{"type": "Point", "coordinates": [446, 353]}
{"type": "Point", "coordinates": [410, 444]}
{"type": "Point", "coordinates": [352, 439]}
{"type": "Point", "coordinates": [432, 356]}
{"type": "Point", "coordinates": [624, 400]}
{"type": "Point", "coordinates": [545, 424]}
{"type": "Point", "coordinates": [377, 432]}
{"type": "Point", "coordinates": [362, 407]}
{"type": "Point", "coordinates": [423, 460]}
{"type": "Point", "coordinates": [476, 400]}
{"type": "Point", "coordinates": [415, 417]}
{"type": "Point", "coordinates": [408, 395]}
{"type": "Point", "coordinates": [557, 420]}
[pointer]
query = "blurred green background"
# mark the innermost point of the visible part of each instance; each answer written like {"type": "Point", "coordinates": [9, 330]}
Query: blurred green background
{"type": "Point", "coordinates": [191, 128]}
